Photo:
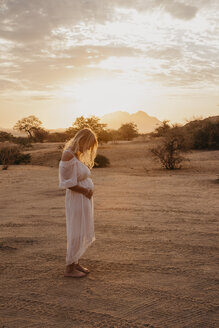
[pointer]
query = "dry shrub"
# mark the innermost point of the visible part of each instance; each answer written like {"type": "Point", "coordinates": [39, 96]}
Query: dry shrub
{"type": "Point", "coordinates": [23, 142]}
{"type": "Point", "coordinates": [11, 154]}
{"type": "Point", "coordinates": [101, 161]}
{"type": "Point", "coordinates": [169, 152]}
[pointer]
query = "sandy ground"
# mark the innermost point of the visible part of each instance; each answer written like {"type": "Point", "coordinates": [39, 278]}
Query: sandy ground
{"type": "Point", "coordinates": [154, 261]}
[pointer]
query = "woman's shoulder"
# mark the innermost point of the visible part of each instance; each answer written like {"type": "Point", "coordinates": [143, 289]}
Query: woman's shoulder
{"type": "Point", "coordinates": [67, 158]}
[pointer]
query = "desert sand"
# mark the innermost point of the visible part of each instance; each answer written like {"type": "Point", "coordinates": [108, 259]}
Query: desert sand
{"type": "Point", "coordinates": [154, 261]}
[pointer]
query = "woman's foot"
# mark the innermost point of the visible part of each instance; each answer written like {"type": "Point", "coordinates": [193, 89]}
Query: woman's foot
{"type": "Point", "coordinates": [81, 268]}
{"type": "Point", "coordinates": [71, 271]}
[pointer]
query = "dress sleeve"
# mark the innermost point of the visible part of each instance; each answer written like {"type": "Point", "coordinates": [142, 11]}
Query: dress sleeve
{"type": "Point", "coordinates": [68, 174]}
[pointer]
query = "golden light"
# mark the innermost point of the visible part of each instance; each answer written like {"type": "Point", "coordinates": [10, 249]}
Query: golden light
{"type": "Point", "coordinates": [99, 96]}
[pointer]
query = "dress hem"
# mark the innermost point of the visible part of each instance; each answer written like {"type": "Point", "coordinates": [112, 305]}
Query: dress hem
{"type": "Point", "coordinates": [81, 253]}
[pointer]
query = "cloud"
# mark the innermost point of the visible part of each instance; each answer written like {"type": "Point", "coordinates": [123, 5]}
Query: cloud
{"type": "Point", "coordinates": [165, 53]}
{"type": "Point", "coordinates": [180, 10]}
{"type": "Point", "coordinates": [42, 97]}
{"type": "Point", "coordinates": [49, 42]}
{"type": "Point", "coordinates": [194, 77]}
{"type": "Point", "coordinates": [39, 70]}
{"type": "Point", "coordinates": [30, 20]}
{"type": "Point", "coordinates": [8, 85]}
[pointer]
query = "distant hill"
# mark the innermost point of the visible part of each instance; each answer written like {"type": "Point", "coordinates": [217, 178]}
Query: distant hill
{"type": "Point", "coordinates": [145, 123]}
{"type": "Point", "coordinates": [200, 122]}
{"type": "Point", "coordinates": [197, 134]}
{"type": "Point", "coordinates": [15, 133]}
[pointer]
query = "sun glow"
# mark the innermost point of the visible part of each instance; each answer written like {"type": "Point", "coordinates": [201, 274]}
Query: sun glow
{"type": "Point", "coordinates": [102, 96]}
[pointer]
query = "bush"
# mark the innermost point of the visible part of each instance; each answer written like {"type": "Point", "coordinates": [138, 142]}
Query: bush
{"type": "Point", "coordinates": [11, 154]}
{"type": "Point", "coordinates": [5, 136]}
{"type": "Point", "coordinates": [22, 159]}
{"type": "Point", "coordinates": [169, 152]}
{"type": "Point", "coordinates": [206, 137]}
{"type": "Point", "coordinates": [101, 161]}
{"type": "Point", "coordinates": [57, 137]}
{"type": "Point", "coordinates": [23, 142]}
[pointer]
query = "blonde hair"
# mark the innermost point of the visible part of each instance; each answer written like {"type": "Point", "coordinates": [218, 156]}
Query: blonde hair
{"type": "Point", "coordinates": [85, 144]}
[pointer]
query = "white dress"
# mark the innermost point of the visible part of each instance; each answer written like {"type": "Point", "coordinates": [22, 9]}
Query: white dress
{"type": "Point", "coordinates": [79, 208]}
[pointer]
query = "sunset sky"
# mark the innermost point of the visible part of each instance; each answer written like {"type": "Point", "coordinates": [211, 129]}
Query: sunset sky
{"type": "Point", "coordinates": [60, 59]}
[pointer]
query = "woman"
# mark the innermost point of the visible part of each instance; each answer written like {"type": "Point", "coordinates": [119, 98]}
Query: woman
{"type": "Point", "coordinates": [74, 176]}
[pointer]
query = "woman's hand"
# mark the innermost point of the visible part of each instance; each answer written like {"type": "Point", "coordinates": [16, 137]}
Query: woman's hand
{"type": "Point", "coordinates": [85, 191]}
{"type": "Point", "coordinates": [88, 193]}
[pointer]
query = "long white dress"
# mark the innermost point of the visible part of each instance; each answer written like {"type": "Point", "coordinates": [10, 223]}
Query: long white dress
{"type": "Point", "coordinates": [79, 208]}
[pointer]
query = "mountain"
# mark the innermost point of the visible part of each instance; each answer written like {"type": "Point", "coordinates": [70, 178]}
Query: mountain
{"type": "Point", "coordinates": [145, 123]}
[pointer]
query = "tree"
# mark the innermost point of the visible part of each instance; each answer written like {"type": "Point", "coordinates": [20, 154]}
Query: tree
{"type": "Point", "coordinates": [39, 134]}
{"type": "Point", "coordinates": [128, 131]}
{"type": "Point", "coordinates": [104, 136]}
{"type": "Point", "coordinates": [92, 122]}
{"type": "Point", "coordinates": [114, 135]}
{"type": "Point", "coordinates": [28, 125]}
{"type": "Point", "coordinates": [163, 129]}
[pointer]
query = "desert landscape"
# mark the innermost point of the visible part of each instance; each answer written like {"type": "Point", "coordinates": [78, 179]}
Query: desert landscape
{"type": "Point", "coordinates": [154, 261]}
{"type": "Point", "coordinates": [140, 79]}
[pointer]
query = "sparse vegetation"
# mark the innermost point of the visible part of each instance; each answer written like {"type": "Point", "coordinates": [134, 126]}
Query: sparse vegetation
{"type": "Point", "coordinates": [197, 134]}
{"type": "Point", "coordinates": [57, 137]}
{"type": "Point", "coordinates": [169, 151]}
{"type": "Point", "coordinates": [36, 133]}
{"type": "Point", "coordinates": [127, 131]}
{"type": "Point", "coordinates": [171, 140]}
{"type": "Point", "coordinates": [8, 137]}
{"type": "Point", "coordinates": [22, 142]}
{"type": "Point", "coordinates": [5, 136]}
{"type": "Point", "coordinates": [11, 154]}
